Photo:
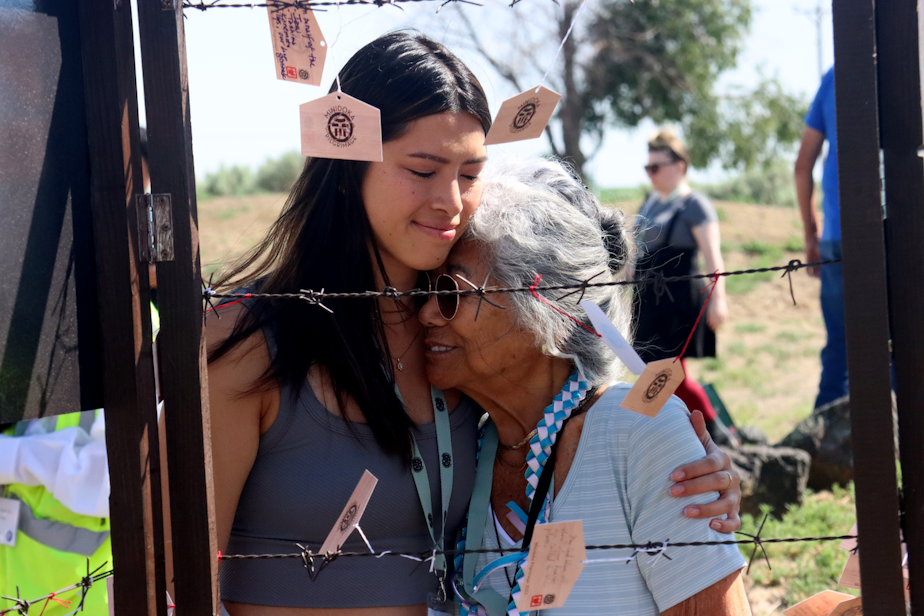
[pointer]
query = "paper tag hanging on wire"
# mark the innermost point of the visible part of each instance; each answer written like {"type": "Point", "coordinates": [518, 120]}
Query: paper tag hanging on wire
{"type": "Point", "coordinates": [818, 605]}
{"type": "Point", "coordinates": [658, 381]}
{"type": "Point", "coordinates": [524, 116]}
{"type": "Point", "coordinates": [340, 126]}
{"type": "Point", "coordinates": [556, 559]}
{"type": "Point", "coordinates": [849, 607]}
{"type": "Point", "coordinates": [613, 338]}
{"type": "Point", "coordinates": [351, 514]}
{"type": "Point", "coordinates": [299, 48]}
{"type": "Point", "coordinates": [851, 574]}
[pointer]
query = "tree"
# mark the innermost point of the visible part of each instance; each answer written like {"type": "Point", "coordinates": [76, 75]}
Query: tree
{"type": "Point", "coordinates": [624, 62]}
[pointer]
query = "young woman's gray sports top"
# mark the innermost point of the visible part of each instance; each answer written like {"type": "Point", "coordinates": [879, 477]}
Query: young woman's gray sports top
{"type": "Point", "coordinates": [307, 466]}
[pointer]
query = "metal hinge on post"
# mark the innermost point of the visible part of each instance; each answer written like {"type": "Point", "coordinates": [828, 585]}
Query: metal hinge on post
{"type": "Point", "coordinates": [155, 227]}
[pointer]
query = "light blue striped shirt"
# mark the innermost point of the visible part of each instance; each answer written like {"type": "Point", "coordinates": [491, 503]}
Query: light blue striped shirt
{"type": "Point", "coordinates": [618, 486]}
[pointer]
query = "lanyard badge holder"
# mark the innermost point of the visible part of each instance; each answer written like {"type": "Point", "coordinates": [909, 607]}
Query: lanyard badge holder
{"type": "Point", "coordinates": [438, 604]}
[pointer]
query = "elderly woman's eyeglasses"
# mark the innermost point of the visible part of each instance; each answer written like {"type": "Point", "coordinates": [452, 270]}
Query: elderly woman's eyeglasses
{"type": "Point", "coordinates": [448, 305]}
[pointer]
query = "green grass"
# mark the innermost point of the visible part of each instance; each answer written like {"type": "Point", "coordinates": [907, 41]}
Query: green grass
{"type": "Point", "coordinates": [742, 285]}
{"type": "Point", "coordinates": [616, 195]}
{"type": "Point", "coordinates": [759, 248]}
{"type": "Point", "coordinates": [750, 328]}
{"type": "Point", "coordinates": [794, 243]}
{"type": "Point", "coordinates": [804, 569]}
{"type": "Point", "coordinates": [788, 335]}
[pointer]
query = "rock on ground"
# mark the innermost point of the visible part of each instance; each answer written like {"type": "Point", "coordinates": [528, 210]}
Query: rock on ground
{"type": "Point", "coordinates": [774, 476]}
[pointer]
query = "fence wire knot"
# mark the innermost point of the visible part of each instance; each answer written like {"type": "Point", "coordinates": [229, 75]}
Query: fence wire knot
{"type": "Point", "coordinates": [660, 287]}
{"type": "Point", "coordinates": [792, 266]}
{"type": "Point", "coordinates": [314, 298]}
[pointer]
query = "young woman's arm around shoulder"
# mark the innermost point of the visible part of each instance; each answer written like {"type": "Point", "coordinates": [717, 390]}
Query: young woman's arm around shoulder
{"type": "Point", "coordinates": [724, 598]}
{"type": "Point", "coordinates": [240, 412]}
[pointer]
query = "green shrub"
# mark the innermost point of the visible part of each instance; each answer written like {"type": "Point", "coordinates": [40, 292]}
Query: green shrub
{"type": "Point", "coordinates": [277, 175]}
{"type": "Point", "coordinates": [234, 181]}
{"type": "Point", "coordinates": [771, 185]}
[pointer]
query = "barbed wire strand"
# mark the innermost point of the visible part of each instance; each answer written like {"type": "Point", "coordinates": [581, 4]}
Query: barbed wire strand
{"type": "Point", "coordinates": [308, 4]}
{"type": "Point", "coordinates": [656, 278]}
{"type": "Point", "coordinates": [22, 606]}
{"type": "Point", "coordinates": [425, 555]}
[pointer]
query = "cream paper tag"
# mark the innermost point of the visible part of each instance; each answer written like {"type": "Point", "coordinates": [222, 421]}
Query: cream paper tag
{"type": "Point", "coordinates": [850, 607]}
{"type": "Point", "coordinates": [299, 48]}
{"type": "Point", "coordinates": [850, 578]}
{"type": "Point", "coordinates": [351, 514]}
{"type": "Point", "coordinates": [524, 116]}
{"type": "Point", "coordinates": [613, 338]}
{"type": "Point", "coordinates": [340, 126]}
{"type": "Point", "coordinates": [556, 559]}
{"type": "Point", "coordinates": [9, 521]}
{"type": "Point", "coordinates": [818, 605]}
{"type": "Point", "coordinates": [659, 380]}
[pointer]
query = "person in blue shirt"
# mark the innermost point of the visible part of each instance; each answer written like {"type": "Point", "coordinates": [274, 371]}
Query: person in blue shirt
{"type": "Point", "coordinates": [824, 243]}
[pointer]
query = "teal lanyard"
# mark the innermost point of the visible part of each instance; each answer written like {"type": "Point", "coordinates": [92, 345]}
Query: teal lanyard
{"type": "Point", "coordinates": [421, 477]}
{"type": "Point", "coordinates": [477, 519]}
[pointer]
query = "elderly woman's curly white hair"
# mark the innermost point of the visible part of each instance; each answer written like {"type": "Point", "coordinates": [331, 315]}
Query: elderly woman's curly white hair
{"type": "Point", "coordinates": [536, 217]}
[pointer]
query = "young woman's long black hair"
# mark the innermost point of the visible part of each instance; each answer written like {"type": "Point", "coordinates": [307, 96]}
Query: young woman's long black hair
{"type": "Point", "coordinates": [322, 239]}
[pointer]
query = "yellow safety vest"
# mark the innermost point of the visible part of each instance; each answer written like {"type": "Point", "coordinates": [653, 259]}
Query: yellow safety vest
{"type": "Point", "coordinates": [53, 543]}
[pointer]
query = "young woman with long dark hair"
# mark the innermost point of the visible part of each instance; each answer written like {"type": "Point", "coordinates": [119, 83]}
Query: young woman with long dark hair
{"type": "Point", "coordinates": [304, 400]}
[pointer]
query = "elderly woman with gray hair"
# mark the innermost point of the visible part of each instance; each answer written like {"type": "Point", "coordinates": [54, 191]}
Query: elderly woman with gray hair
{"type": "Point", "coordinates": [522, 360]}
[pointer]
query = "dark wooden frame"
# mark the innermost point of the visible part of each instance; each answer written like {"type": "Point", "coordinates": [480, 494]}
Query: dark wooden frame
{"type": "Point", "coordinates": [181, 343]}
{"type": "Point", "coordinates": [901, 135]}
{"type": "Point", "coordinates": [877, 107]}
{"type": "Point", "coordinates": [129, 393]}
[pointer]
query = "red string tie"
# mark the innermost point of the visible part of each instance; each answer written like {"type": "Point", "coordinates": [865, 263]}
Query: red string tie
{"type": "Point", "coordinates": [715, 280]}
{"type": "Point", "coordinates": [532, 289]}
{"type": "Point", "coordinates": [246, 297]}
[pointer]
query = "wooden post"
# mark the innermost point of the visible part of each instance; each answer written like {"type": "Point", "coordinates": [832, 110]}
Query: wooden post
{"type": "Point", "coordinates": [901, 132]}
{"type": "Point", "coordinates": [866, 306]}
{"type": "Point", "coordinates": [181, 348]}
{"type": "Point", "coordinates": [124, 309]}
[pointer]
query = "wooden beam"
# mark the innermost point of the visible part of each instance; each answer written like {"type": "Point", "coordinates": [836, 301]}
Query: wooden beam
{"type": "Point", "coordinates": [866, 306]}
{"type": "Point", "coordinates": [181, 344]}
{"type": "Point", "coordinates": [902, 133]}
{"type": "Point", "coordinates": [131, 414]}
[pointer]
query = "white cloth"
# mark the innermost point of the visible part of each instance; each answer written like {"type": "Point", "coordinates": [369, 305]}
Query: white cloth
{"type": "Point", "coordinates": [618, 485]}
{"type": "Point", "coordinates": [70, 463]}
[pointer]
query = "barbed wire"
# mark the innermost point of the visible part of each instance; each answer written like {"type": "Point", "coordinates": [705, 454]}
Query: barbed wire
{"type": "Point", "coordinates": [22, 605]}
{"type": "Point", "coordinates": [660, 281]}
{"type": "Point", "coordinates": [202, 5]}
{"type": "Point", "coordinates": [308, 557]}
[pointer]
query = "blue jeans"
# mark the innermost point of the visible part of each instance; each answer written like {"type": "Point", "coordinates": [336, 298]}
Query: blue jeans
{"type": "Point", "coordinates": [833, 383]}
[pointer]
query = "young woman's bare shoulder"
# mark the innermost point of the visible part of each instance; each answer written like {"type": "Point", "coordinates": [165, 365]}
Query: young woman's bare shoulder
{"type": "Point", "coordinates": [241, 367]}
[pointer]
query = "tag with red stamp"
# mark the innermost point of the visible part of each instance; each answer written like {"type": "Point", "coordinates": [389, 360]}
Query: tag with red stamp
{"type": "Point", "coordinates": [299, 48]}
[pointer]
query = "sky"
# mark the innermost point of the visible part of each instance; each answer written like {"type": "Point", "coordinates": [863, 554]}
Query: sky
{"type": "Point", "coordinates": [242, 115]}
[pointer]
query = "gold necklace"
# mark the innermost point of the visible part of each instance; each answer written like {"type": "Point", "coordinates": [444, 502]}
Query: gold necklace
{"type": "Point", "coordinates": [400, 364]}
{"type": "Point", "coordinates": [521, 443]}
